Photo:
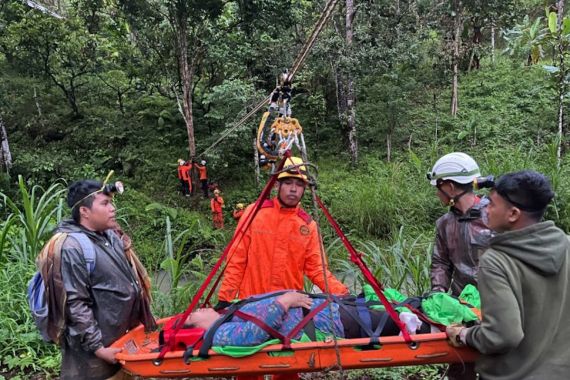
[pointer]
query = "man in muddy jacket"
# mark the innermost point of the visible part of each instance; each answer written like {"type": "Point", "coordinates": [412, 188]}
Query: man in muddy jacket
{"type": "Point", "coordinates": [103, 303]}
{"type": "Point", "coordinates": [462, 234]}
{"type": "Point", "coordinates": [524, 282]}
{"type": "Point", "coordinates": [280, 246]}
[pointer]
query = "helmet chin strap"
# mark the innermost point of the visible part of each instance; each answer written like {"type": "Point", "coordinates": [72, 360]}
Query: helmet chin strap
{"type": "Point", "coordinates": [452, 200]}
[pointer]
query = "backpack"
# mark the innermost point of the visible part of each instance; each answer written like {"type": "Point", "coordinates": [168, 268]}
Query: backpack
{"type": "Point", "coordinates": [37, 294]}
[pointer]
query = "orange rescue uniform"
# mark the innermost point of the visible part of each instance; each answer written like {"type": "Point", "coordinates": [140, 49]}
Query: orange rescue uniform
{"type": "Point", "coordinates": [237, 214]}
{"type": "Point", "coordinates": [216, 204]}
{"type": "Point", "coordinates": [203, 172]}
{"type": "Point", "coordinates": [279, 247]}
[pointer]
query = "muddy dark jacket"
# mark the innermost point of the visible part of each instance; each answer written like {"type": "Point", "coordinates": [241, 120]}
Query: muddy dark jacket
{"type": "Point", "coordinates": [100, 307]}
{"type": "Point", "coordinates": [460, 241]}
{"type": "Point", "coordinates": [525, 301]}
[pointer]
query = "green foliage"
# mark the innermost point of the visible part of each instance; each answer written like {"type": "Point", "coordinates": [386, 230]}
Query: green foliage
{"type": "Point", "coordinates": [115, 65]}
{"type": "Point", "coordinates": [34, 219]}
{"type": "Point", "coordinates": [21, 347]}
{"type": "Point", "coordinates": [28, 224]}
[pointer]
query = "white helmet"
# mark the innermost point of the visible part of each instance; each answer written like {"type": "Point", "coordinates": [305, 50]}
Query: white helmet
{"type": "Point", "coordinates": [203, 162]}
{"type": "Point", "coordinates": [458, 167]}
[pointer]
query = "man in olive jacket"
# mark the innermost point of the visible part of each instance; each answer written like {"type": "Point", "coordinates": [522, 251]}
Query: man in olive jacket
{"type": "Point", "coordinates": [101, 304]}
{"type": "Point", "coordinates": [524, 281]}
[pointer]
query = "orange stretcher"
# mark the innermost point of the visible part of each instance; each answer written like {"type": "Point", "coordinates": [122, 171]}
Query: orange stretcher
{"type": "Point", "coordinates": [140, 351]}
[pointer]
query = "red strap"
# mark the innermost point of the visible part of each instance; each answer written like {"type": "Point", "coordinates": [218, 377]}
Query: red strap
{"type": "Point", "coordinates": [302, 323]}
{"type": "Point", "coordinates": [356, 258]}
{"type": "Point", "coordinates": [268, 329]}
{"type": "Point", "coordinates": [171, 344]}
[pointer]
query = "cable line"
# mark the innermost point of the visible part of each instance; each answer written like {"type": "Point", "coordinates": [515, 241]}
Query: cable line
{"type": "Point", "coordinates": [325, 16]}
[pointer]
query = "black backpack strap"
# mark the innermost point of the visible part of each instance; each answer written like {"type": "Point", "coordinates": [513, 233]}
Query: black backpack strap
{"type": "Point", "coordinates": [363, 314]}
{"type": "Point", "coordinates": [353, 315]}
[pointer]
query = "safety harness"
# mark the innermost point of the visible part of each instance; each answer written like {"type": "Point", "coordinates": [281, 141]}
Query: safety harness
{"type": "Point", "coordinates": [171, 342]}
{"type": "Point", "coordinates": [194, 338]}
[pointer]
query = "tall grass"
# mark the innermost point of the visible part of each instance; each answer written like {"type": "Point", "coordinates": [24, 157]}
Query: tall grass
{"type": "Point", "coordinates": [402, 263]}
{"type": "Point", "coordinates": [184, 267]}
{"type": "Point", "coordinates": [34, 215]}
{"type": "Point", "coordinates": [27, 226]}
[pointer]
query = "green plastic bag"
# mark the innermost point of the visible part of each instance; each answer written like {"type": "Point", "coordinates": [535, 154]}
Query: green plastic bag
{"type": "Point", "coordinates": [470, 294]}
{"type": "Point", "coordinates": [445, 309]}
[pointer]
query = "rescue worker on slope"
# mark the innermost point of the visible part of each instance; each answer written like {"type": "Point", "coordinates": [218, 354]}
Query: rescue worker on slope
{"type": "Point", "coordinates": [280, 246]}
{"type": "Point", "coordinates": [217, 204]}
{"type": "Point", "coordinates": [238, 212]}
{"type": "Point", "coordinates": [203, 172]}
{"type": "Point", "coordinates": [462, 234]}
{"type": "Point", "coordinates": [184, 177]}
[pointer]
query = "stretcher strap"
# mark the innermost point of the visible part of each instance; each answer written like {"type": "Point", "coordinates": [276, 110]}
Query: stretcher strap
{"type": "Point", "coordinates": [264, 326]}
{"type": "Point", "coordinates": [170, 345]}
{"type": "Point", "coordinates": [356, 258]}
{"type": "Point", "coordinates": [227, 316]}
{"type": "Point", "coordinates": [302, 323]}
{"type": "Point", "coordinates": [365, 325]}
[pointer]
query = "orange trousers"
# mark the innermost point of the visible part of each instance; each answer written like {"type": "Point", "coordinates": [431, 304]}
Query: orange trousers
{"type": "Point", "coordinates": [218, 219]}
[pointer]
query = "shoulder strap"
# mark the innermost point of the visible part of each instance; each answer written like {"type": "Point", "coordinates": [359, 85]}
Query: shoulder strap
{"type": "Point", "coordinates": [267, 203]}
{"type": "Point", "coordinates": [87, 248]}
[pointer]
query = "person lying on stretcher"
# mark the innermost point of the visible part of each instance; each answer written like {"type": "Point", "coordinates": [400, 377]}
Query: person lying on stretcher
{"type": "Point", "coordinates": [284, 311]}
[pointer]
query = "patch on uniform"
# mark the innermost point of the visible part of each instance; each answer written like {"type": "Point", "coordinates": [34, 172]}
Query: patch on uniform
{"type": "Point", "coordinates": [304, 230]}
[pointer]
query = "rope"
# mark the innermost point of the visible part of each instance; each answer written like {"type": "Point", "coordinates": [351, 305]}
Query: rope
{"type": "Point", "coordinates": [325, 15]}
{"type": "Point", "coordinates": [241, 122]}
{"type": "Point", "coordinates": [356, 258]}
{"type": "Point", "coordinates": [170, 345]}
{"type": "Point", "coordinates": [322, 251]}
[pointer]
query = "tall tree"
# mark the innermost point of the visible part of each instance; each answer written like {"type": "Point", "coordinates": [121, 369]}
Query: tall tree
{"type": "Point", "coordinates": [562, 74]}
{"type": "Point", "coordinates": [457, 28]}
{"type": "Point", "coordinates": [347, 92]}
{"type": "Point", "coordinates": [5, 155]}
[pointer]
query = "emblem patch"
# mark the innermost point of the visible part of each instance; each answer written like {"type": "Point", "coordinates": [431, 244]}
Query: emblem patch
{"type": "Point", "coordinates": [304, 230]}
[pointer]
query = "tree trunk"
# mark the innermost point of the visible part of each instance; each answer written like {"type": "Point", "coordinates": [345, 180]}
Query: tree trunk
{"type": "Point", "coordinates": [561, 82]}
{"type": "Point", "coordinates": [36, 100]}
{"type": "Point", "coordinates": [5, 155]}
{"type": "Point", "coordinates": [493, 42]}
{"type": "Point", "coordinates": [389, 146]}
{"type": "Point", "coordinates": [350, 94]}
{"type": "Point", "coordinates": [186, 78]}
{"type": "Point", "coordinates": [456, 44]}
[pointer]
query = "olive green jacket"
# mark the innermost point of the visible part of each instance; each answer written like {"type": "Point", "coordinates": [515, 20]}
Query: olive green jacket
{"type": "Point", "coordinates": [524, 281]}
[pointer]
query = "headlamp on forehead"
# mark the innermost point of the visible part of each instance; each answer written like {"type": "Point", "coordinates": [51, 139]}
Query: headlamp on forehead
{"type": "Point", "coordinates": [487, 182]}
{"type": "Point", "coordinates": [109, 189]}
{"type": "Point", "coordinates": [113, 188]}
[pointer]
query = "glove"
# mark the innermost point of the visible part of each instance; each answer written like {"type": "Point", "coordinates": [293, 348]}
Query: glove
{"type": "Point", "coordinates": [454, 335]}
{"type": "Point", "coordinates": [222, 305]}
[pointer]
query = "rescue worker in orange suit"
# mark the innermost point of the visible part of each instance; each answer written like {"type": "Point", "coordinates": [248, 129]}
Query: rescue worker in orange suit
{"type": "Point", "coordinates": [238, 212]}
{"type": "Point", "coordinates": [184, 177]}
{"type": "Point", "coordinates": [203, 177]}
{"type": "Point", "coordinates": [280, 246]}
{"type": "Point", "coordinates": [189, 166]}
{"type": "Point", "coordinates": [217, 204]}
